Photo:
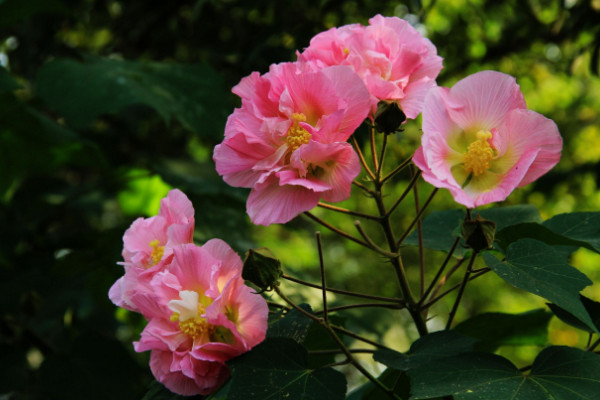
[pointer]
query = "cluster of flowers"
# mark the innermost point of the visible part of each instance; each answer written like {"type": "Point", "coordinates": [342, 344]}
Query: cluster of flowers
{"type": "Point", "coordinates": [199, 311]}
{"type": "Point", "coordinates": [287, 142]}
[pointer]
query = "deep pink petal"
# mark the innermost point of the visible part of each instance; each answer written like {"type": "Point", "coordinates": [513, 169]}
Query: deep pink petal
{"type": "Point", "coordinates": [270, 203]}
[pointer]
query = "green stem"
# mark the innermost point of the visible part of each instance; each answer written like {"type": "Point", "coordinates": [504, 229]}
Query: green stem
{"type": "Point", "coordinates": [336, 230]}
{"type": "Point", "coordinates": [412, 224]}
{"type": "Point", "coordinates": [323, 284]}
{"type": "Point", "coordinates": [396, 170]}
{"type": "Point", "coordinates": [395, 306]}
{"type": "Point", "coordinates": [361, 157]}
{"type": "Point", "coordinates": [440, 271]}
{"type": "Point", "coordinates": [346, 211]}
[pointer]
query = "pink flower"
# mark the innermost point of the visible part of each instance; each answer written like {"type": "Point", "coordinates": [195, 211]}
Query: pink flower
{"type": "Point", "coordinates": [201, 315]}
{"type": "Point", "coordinates": [394, 60]}
{"type": "Point", "coordinates": [148, 245]}
{"type": "Point", "coordinates": [287, 141]}
{"type": "Point", "coordinates": [481, 142]}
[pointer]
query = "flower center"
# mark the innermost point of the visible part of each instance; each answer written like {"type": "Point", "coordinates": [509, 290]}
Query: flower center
{"type": "Point", "coordinates": [479, 154]}
{"type": "Point", "coordinates": [157, 251]}
{"type": "Point", "coordinates": [188, 311]}
{"type": "Point", "coordinates": [297, 135]}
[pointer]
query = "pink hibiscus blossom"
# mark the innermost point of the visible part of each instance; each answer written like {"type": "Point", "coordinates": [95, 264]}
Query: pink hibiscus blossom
{"type": "Point", "coordinates": [287, 141]}
{"type": "Point", "coordinates": [201, 315]}
{"type": "Point", "coordinates": [481, 142]}
{"type": "Point", "coordinates": [395, 61]}
{"type": "Point", "coordinates": [148, 245]}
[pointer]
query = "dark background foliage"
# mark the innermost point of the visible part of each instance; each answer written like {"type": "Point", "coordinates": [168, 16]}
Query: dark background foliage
{"type": "Point", "coordinates": [104, 105]}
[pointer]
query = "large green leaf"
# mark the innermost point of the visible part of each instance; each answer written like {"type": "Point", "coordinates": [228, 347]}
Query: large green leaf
{"type": "Point", "coordinates": [440, 228]}
{"type": "Point", "coordinates": [82, 91]}
{"type": "Point", "coordinates": [429, 348]}
{"type": "Point", "coordinates": [558, 373]}
{"type": "Point", "coordinates": [539, 232]}
{"type": "Point", "coordinates": [277, 370]}
{"type": "Point", "coordinates": [583, 227]}
{"type": "Point", "coordinates": [294, 325]}
{"type": "Point", "coordinates": [539, 269]}
{"type": "Point", "coordinates": [498, 329]}
{"type": "Point", "coordinates": [592, 307]}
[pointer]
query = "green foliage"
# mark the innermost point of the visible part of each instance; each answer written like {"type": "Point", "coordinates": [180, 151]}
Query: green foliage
{"type": "Point", "coordinates": [493, 330]}
{"type": "Point", "coordinates": [558, 372]}
{"type": "Point", "coordinates": [81, 91]}
{"type": "Point", "coordinates": [593, 309]}
{"type": "Point", "coordinates": [277, 369]}
{"type": "Point", "coordinates": [539, 269]}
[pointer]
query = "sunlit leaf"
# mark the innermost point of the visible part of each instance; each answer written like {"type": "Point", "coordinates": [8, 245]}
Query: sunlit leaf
{"type": "Point", "coordinates": [593, 309]}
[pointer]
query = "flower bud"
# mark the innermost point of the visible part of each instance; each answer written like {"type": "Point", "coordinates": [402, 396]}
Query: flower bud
{"type": "Point", "coordinates": [479, 233]}
{"type": "Point", "coordinates": [388, 117]}
{"type": "Point", "coordinates": [261, 270]}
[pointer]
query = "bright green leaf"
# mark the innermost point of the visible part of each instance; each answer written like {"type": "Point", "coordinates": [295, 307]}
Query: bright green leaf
{"type": "Point", "coordinates": [277, 370]}
{"type": "Point", "coordinates": [143, 193]}
{"type": "Point", "coordinates": [498, 329]}
{"type": "Point", "coordinates": [539, 269]}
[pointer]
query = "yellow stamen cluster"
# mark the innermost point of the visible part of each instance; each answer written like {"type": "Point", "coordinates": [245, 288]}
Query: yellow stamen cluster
{"type": "Point", "coordinates": [157, 251]}
{"type": "Point", "coordinates": [194, 327]}
{"type": "Point", "coordinates": [479, 154]}
{"type": "Point", "coordinates": [297, 136]}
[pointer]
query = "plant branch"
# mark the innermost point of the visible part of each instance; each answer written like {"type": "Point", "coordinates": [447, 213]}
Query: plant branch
{"type": "Point", "coordinates": [381, 157]}
{"type": "Point", "coordinates": [363, 187]}
{"type": "Point", "coordinates": [396, 170]}
{"type": "Point", "coordinates": [336, 230]}
{"type": "Point", "coordinates": [340, 291]}
{"type": "Point", "coordinates": [435, 300]}
{"type": "Point", "coordinates": [323, 284]}
{"type": "Point", "coordinates": [404, 194]}
{"type": "Point", "coordinates": [395, 306]}
{"type": "Point", "coordinates": [412, 224]}
{"type": "Point", "coordinates": [440, 271]}
{"type": "Point", "coordinates": [374, 246]}
{"type": "Point", "coordinates": [420, 237]}
{"type": "Point", "coordinates": [374, 151]}
{"type": "Point", "coordinates": [461, 290]}
{"type": "Point", "coordinates": [346, 211]}
{"type": "Point", "coordinates": [361, 157]}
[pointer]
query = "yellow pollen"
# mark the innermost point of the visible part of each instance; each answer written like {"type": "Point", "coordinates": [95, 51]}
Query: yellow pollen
{"type": "Point", "coordinates": [157, 251]}
{"type": "Point", "coordinates": [194, 327]}
{"type": "Point", "coordinates": [479, 154]}
{"type": "Point", "coordinates": [346, 51]}
{"type": "Point", "coordinates": [296, 135]}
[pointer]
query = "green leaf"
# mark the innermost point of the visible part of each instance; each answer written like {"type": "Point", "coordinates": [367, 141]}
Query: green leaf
{"type": "Point", "coordinates": [583, 227]}
{"type": "Point", "coordinates": [536, 231]}
{"type": "Point", "coordinates": [294, 325]}
{"type": "Point", "coordinates": [429, 348]}
{"type": "Point", "coordinates": [592, 307]}
{"type": "Point", "coordinates": [7, 82]}
{"type": "Point", "coordinates": [558, 373]}
{"type": "Point", "coordinates": [276, 369]}
{"type": "Point", "coordinates": [539, 269]}
{"type": "Point", "coordinates": [157, 391]}
{"type": "Point", "coordinates": [82, 91]}
{"type": "Point", "coordinates": [440, 228]}
{"type": "Point", "coordinates": [439, 231]}
{"type": "Point", "coordinates": [497, 329]}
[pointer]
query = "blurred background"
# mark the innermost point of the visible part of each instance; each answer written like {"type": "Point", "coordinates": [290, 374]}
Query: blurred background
{"type": "Point", "coordinates": [106, 105]}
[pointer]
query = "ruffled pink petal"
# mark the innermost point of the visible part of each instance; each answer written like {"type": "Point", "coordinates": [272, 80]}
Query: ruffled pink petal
{"type": "Point", "coordinates": [161, 334]}
{"type": "Point", "coordinates": [167, 368]}
{"type": "Point", "coordinates": [270, 203]}
{"type": "Point", "coordinates": [192, 266]}
{"type": "Point", "coordinates": [335, 164]}
{"type": "Point", "coordinates": [176, 208]}
{"type": "Point", "coordinates": [528, 130]}
{"type": "Point", "coordinates": [482, 100]}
